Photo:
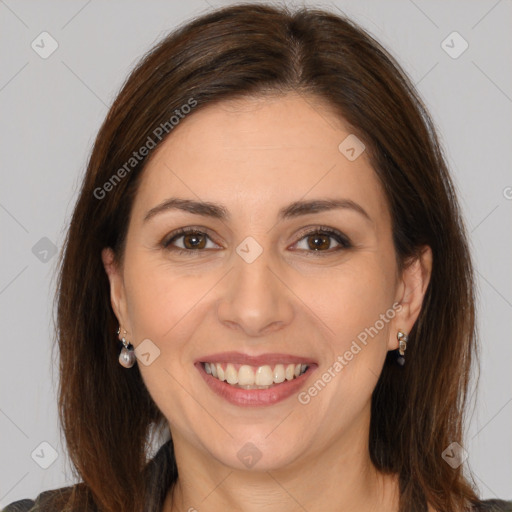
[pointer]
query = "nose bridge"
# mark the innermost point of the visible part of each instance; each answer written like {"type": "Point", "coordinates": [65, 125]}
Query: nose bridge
{"type": "Point", "coordinates": [254, 300]}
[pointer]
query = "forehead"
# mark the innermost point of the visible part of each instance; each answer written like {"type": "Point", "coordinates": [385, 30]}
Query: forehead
{"type": "Point", "coordinates": [252, 152]}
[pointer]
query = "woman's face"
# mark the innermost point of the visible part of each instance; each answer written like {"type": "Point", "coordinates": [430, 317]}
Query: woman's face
{"type": "Point", "coordinates": [289, 264]}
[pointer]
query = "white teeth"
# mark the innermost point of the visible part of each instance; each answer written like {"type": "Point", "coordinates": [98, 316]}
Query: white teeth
{"type": "Point", "coordinates": [231, 374]}
{"type": "Point", "coordinates": [249, 377]}
{"type": "Point", "coordinates": [279, 375]}
{"type": "Point", "coordinates": [264, 376]}
{"type": "Point", "coordinates": [245, 376]}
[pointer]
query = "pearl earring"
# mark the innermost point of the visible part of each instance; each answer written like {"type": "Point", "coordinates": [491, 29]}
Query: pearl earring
{"type": "Point", "coordinates": [402, 346]}
{"type": "Point", "coordinates": [127, 356]}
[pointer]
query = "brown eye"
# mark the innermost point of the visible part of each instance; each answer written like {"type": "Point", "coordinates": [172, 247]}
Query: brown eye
{"type": "Point", "coordinates": [194, 241]}
{"type": "Point", "coordinates": [323, 240]}
{"type": "Point", "coordinates": [189, 240]}
{"type": "Point", "coordinates": [318, 242]}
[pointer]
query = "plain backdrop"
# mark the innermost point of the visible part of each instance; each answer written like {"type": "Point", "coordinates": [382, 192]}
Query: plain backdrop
{"type": "Point", "coordinates": [52, 108]}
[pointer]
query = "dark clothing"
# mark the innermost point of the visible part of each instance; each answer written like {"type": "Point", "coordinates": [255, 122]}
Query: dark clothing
{"type": "Point", "coordinates": [160, 470]}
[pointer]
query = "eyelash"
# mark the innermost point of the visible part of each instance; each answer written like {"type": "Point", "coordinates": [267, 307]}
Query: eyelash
{"type": "Point", "coordinates": [332, 233]}
{"type": "Point", "coordinates": [320, 230]}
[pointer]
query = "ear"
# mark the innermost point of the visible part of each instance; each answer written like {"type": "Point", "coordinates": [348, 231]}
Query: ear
{"type": "Point", "coordinates": [410, 293]}
{"type": "Point", "coordinates": [117, 289]}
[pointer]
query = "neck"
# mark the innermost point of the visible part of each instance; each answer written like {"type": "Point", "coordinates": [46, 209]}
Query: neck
{"type": "Point", "coordinates": [340, 478]}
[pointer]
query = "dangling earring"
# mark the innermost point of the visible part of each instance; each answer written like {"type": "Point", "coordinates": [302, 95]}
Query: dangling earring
{"type": "Point", "coordinates": [402, 346]}
{"type": "Point", "coordinates": [127, 356]}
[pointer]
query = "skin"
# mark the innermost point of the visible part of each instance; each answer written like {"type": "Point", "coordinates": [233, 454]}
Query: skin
{"type": "Point", "coordinates": [255, 156]}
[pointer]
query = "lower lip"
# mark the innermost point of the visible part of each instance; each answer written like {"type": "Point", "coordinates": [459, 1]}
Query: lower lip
{"type": "Point", "coordinates": [255, 397]}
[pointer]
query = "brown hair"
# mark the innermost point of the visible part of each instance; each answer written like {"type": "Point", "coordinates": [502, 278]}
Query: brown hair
{"type": "Point", "coordinates": [417, 411]}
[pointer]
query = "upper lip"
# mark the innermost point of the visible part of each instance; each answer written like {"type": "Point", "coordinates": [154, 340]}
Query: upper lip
{"type": "Point", "coordinates": [260, 360]}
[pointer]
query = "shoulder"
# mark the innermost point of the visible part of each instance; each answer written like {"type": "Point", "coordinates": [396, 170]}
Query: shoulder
{"type": "Point", "coordinates": [19, 506]}
{"type": "Point", "coordinates": [161, 472]}
{"type": "Point", "coordinates": [494, 506]}
{"type": "Point", "coordinates": [47, 501]}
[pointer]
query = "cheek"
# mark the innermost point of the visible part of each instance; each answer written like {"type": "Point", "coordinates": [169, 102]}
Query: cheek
{"type": "Point", "coordinates": [165, 307]}
{"type": "Point", "coordinates": [356, 304]}
{"type": "Point", "coordinates": [358, 311]}
{"type": "Point", "coordinates": [354, 297]}
{"type": "Point", "coordinates": [160, 297]}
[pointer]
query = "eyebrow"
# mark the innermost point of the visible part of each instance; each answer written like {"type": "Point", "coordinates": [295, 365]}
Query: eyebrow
{"type": "Point", "coordinates": [203, 208]}
{"type": "Point", "coordinates": [295, 209]}
{"type": "Point", "coordinates": [321, 205]}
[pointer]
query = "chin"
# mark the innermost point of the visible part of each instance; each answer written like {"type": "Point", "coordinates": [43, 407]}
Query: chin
{"type": "Point", "coordinates": [259, 452]}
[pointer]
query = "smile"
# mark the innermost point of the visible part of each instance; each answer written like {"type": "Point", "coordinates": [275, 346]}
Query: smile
{"type": "Point", "coordinates": [245, 376]}
{"type": "Point", "coordinates": [247, 380]}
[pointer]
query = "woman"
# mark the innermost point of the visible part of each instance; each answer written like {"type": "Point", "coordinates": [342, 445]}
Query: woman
{"type": "Point", "coordinates": [269, 226]}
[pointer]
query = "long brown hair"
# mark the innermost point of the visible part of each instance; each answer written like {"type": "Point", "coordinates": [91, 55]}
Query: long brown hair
{"type": "Point", "coordinates": [105, 410]}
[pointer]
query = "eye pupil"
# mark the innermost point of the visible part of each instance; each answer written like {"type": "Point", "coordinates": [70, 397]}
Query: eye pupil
{"type": "Point", "coordinates": [194, 241]}
{"type": "Point", "coordinates": [318, 241]}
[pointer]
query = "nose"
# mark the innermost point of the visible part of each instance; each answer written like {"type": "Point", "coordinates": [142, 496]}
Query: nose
{"type": "Point", "coordinates": [255, 298]}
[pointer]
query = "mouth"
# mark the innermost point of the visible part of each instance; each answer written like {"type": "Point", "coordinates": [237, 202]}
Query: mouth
{"type": "Point", "coordinates": [244, 376]}
{"type": "Point", "coordinates": [249, 381]}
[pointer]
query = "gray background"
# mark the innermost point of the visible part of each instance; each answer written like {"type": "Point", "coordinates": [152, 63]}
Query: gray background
{"type": "Point", "coordinates": [52, 108]}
